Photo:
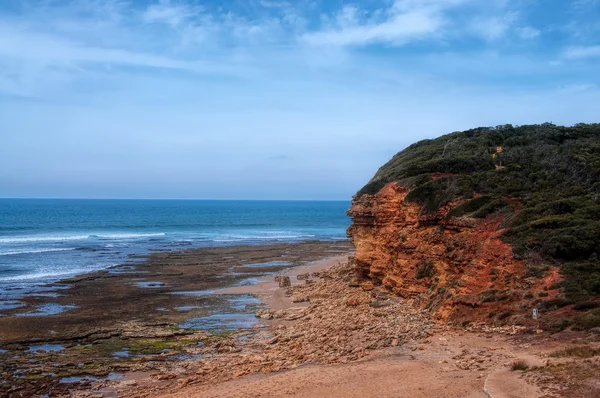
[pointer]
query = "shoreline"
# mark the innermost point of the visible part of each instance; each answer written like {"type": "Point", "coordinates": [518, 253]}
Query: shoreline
{"type": "Point", "coordinates": [327, 334]}
{"type": "Point", "coordinates": [115, 321]}
{"type": "Point", "coordinates": [283, 359]}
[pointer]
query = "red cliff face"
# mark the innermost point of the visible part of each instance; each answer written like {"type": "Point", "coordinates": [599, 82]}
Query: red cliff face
{"type": "Point", "coordinates": [456, 267]}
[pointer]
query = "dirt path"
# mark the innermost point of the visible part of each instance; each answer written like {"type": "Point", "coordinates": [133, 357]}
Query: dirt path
{"type": "Point", "coordinates": [411, 371]}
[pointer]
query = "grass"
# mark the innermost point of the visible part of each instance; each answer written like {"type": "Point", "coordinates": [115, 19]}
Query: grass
{"type": "Point", "coordinates": [519, 365]}
{"type": "Point", "coordinates": [576, 351]}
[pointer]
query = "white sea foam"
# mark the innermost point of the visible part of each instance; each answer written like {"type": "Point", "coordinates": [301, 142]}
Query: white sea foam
{"type": "Point", "coordinates": [61, 238]}
{"type": "Point", "coordinates": [32, 251]}
{"type": "Point", "coordinates": [128, 236]}
{"type": "Point", "coordinates": [42, 275]}
{"type": "Point", "coordinates": [235, 238]}
{"type": "Point", "coordinates": [42, 238]}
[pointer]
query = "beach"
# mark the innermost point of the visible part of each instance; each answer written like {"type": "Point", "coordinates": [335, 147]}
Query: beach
{"type": "Point", "coordinates": [161, 306]}
{"type": "Point", "coordinates": [227, 322]}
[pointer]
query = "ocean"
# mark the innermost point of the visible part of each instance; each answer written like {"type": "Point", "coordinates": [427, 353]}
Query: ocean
{"type": "Point", "coordinates": [44, 240]}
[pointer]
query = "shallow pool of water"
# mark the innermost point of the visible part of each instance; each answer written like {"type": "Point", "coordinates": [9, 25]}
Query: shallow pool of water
{"type": "Point", "coordinates": [195, 293]}
{"type": "Point", "coordinates": [221, 322]}
{"type": "Point", "coordinates": [11, 304]}
{"type": "Point", "coordinates": [77, 379]}
{"type": "Point", "coordinates": [274, 263]}
{"type": "Point", "coordinates": [48, 309]}
{"type": "Point", "coordinates": [150, 284]}
{"type": "Point", "coordinates": [46, 347]}
{"type": "Point", "coordinates": [188, 307]}
{"type": "Point", "coordinates": [122, 354]}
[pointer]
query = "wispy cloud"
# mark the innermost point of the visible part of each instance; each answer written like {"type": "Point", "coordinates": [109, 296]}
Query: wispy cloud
{"type": "Point", "coordinates": [528, 32]}
{"type": "Point", "coordinates": [582, 52]}
{"type": "Point", "coordinates": [205, 86]}
{"type": "Point", "coordinates": [171, 13]}
{"type": "Point", "coordinates": [395, 25]}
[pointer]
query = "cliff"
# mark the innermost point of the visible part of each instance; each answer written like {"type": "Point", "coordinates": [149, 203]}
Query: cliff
{"type": "Point", "coordinates": [488, 225]}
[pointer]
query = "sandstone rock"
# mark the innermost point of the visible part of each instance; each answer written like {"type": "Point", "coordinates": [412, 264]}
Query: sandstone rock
{"type": "Point", "coordinates": [299, 299]}
{"type": "Point", "coordinates": [367, 286]}
{"type": "Point", "coordinates": [404, 248]}
{"type": "Point", "coordinates": [302, 277]}
{"type": "Point", "coordinates": [352, 302]}
{"type": "Point", "coordinates": [380, 303]}
{"type": "Point", "coordinates": [284, 281]}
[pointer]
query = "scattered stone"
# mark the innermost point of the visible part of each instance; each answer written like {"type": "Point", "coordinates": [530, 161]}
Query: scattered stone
{"type": "Point", "coordinates": [284, 281]}
{"type": "Point", "coordinates": [352, 302]}
{"type": "Point", "coordinates": [380, 303]}
{"type": "Point", "coordinates": [354, 282]}
{"type": "Point", "coordinates": [367, 286]}
{"type": "Point", "coordinates": [299, 299]}
{"type": "Point", "coordinates": [302, 277]}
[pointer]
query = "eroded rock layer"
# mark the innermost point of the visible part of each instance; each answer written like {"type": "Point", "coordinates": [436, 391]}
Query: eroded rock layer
{"type": "Point", "coordinates": [455, 266]}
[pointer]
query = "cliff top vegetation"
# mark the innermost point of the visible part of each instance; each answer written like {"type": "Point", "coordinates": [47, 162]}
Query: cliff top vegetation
{"type": "Point", "coordinates": [545, 180]}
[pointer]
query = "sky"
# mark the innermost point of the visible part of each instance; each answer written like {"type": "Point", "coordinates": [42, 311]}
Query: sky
{"type": "Point", "coordinates": [268, 99]}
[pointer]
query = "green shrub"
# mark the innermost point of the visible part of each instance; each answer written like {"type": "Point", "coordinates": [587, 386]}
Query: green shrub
{"type": "Point", "coordinates": [426, 270]}
{"type": "Point", "coordinates": [504, 315]}
{"type": "Point", "coordinates": [469, 206]}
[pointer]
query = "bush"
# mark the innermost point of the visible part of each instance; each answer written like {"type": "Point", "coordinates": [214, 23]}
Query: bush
{"type": "Point", "coordinates": [519, 365]}
{"type": "Point", "coordinates": [469, 206]}
{"type": "Point", "coordinates": [504, 315]}
{"type": "Point", "coordinates": [577, 351]}
{"type": "Point", "coordinates": [589, 320]}
{"type": "Point", "coordinates": [426, 270]}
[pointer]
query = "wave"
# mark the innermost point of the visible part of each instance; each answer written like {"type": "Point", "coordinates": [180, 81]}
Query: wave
{"type": "Point", "coordinates": [61, 238]}
{"type": "Point", "coordinates": [32, 251]}
{"type": "Point", "coordinates": [42, 275]}
{"type": "Point", "coordinates": [42, 238]}
{"type": "Point", "coordinates": [127, 236]}
{"type": "Point", "coordinates": [237, 238]}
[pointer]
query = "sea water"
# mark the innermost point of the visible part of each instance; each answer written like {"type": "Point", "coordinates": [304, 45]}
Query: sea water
{"type": "Point", "coordinates": [44, 240]}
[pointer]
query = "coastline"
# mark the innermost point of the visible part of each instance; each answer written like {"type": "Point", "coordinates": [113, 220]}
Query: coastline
{"type": "Point", "coordinates": [327, 334]}
{"type": "Point", "coordinates": [118, 320]}
{"type": "Point", "coordinates": [338, 341]}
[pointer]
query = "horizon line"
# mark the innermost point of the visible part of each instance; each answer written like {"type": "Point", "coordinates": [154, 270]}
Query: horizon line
{"type": "Point", "coordinates": [187, 199]}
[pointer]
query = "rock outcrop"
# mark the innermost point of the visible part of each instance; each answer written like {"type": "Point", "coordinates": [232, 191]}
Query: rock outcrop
{"type": "Point", "coordinates": [457, 267]}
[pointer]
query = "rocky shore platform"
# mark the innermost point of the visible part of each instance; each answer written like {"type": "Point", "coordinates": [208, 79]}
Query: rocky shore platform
{"type": "Point", "coordinates": [67, 336]}
{"type": "Point", "coordinates": [307, 328]}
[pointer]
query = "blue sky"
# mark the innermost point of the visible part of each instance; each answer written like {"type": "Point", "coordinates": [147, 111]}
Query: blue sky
{"type": "Point", "coordinates": [267, 99]}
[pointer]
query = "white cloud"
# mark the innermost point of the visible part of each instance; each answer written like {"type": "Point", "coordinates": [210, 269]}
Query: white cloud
{"type": "Point", "coordinates": [582, 52]}
{"type": "Point", "coordinates": [528, 32]}
{"type": "Point", "coordinates": [51, 50]}
{"type": "Point", "coordinates": [402, 22]}
{"type": "Point", "coordinates": [170, 13]}
{"type": "Point", "coordinates": [493, 27]}
{"type": "Point", "coordinates": [398, 29]}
